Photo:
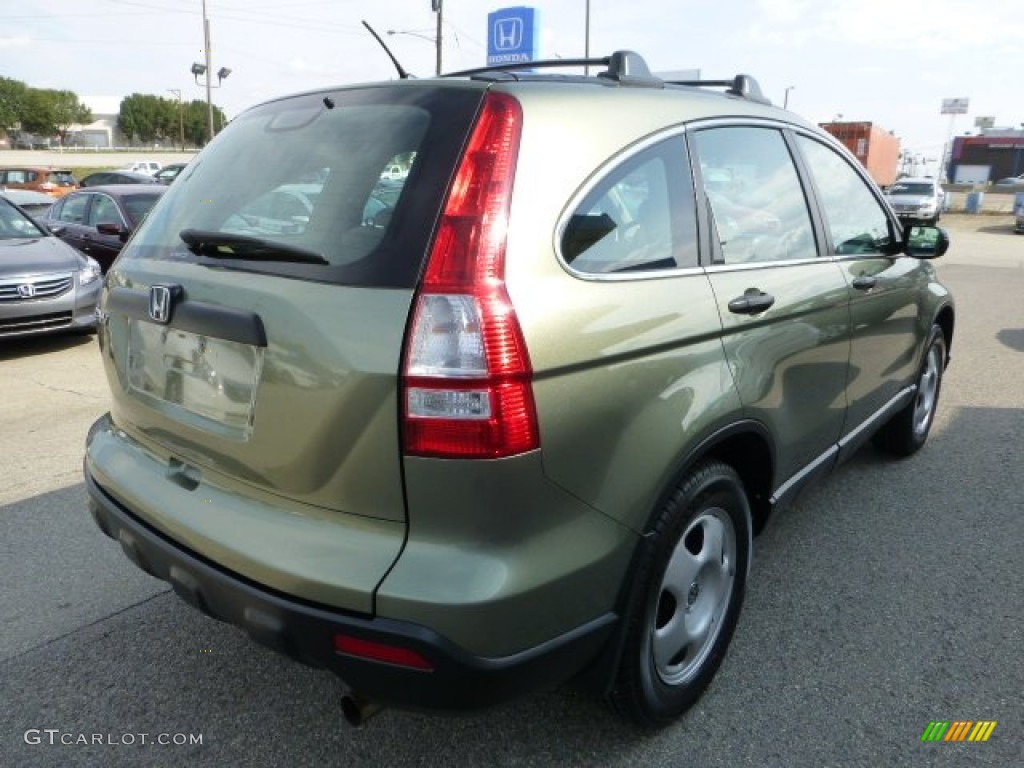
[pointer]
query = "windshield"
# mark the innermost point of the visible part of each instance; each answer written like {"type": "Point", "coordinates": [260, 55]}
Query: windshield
{"type": "Point", "coordinates": [324, 176]}
{"type": "Point", "coordinates": [63, 178]}
{"type": "Point", "coordinates": [911, 189]}
{"type": "Point", "coordinates": [15, 225]}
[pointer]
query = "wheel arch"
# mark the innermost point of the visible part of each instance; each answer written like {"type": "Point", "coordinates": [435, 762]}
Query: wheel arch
{"type": "Point", "coordinates": [748, 448]}
{"type": "Point", "coordinates": [946, 320]}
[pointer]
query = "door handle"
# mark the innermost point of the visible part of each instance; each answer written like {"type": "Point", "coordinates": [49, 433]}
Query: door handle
{"type": "Point", "coordinates": [753, 301]}
{"type": "Point", "coordinates": [864, 283]}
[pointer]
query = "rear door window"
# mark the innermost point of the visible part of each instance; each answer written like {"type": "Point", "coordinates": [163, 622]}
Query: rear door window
{"type": "Point", "coordinates": [317, 174]}
{"type": "Point", "coordinates": [754, 194]}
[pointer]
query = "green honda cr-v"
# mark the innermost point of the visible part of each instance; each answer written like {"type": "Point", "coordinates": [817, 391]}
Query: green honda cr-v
{"type": "Point", "coordinates": [513, 417]}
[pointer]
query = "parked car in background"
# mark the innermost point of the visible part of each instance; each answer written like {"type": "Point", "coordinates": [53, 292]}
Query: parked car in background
{"type": "Point", "coordinates": [518, 420]}
{"type": "Point", "coordinates": [169, 172]}
{"type": "Point", "coordinates": [116, 177]}
{"type": "Point", "coordinates": [35, 204]}
{"type": "Point", "coordinates": [98, 220]}
{"type": "Point", "coordinates": [51, 181]}
{"type": "Point", "coordinates": [916, 200]}
{"type": "Point", "coordinates": [45, 285]}
{"type": "Point", "coordinates": [143, 166]}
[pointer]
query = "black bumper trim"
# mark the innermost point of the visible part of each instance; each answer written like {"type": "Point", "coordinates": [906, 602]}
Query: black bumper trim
{"type": "Point", "coordinates": [305, 631]}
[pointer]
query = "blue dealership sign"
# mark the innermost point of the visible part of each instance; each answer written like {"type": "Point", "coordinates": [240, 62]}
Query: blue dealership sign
{"type": "Point", "coordinates": [512, 35]}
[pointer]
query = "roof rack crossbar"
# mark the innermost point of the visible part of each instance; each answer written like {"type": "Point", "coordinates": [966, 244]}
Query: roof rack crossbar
{"type": "Point", "coordinates": [744, 86]}
{"type": "Point", "coordinates": [541, 64]}
{"type": "Point", "coordinates": [624, 67]}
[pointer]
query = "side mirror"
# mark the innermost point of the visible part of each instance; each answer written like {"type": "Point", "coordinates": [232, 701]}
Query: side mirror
{"type": "Point", "coordinates": [112, 229]}
{"type": "Point", "coordinates": [925, 242]}
{"type": "Point", "coordinates": [57, 230]}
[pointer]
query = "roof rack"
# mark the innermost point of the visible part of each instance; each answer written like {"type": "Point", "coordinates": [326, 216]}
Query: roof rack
{"type": "Point", "coordinates": [625, 68]}
{"type": "Point", "coordinates": [744, 86]}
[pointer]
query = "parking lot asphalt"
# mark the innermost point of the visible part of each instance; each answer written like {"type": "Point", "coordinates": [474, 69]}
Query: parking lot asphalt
{"type": "Point", "coordinates": [886, 597]}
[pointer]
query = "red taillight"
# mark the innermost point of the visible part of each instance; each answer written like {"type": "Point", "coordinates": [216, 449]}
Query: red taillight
{"type": "Point", "coordinates": [467, 378]}
{"type": "Point", "coordinates": [390, 654]}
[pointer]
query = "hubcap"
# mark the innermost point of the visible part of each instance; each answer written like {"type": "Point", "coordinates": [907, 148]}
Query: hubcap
{"type": "Point", "coordinates": [694, 596]}
{"type": "Point", "coordinates": [928, 390]}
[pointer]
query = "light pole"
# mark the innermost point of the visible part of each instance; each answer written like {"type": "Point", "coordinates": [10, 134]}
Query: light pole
{"type": "Point", "coordinates": [785, 98]}
{"type": "Point", "coordinates": [438, 8]}
{"type": "Point", "coordinates": [392, 32]}
{"type": "Point", "coordinates": [181, 117]}
{"type": "Point", "coordinates": [586, 38]}
{"type": "Point", "coordinates": [207, 69]}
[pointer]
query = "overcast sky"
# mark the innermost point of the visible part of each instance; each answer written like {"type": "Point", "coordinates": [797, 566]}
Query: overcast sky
{"type": "Point", "coordinates": [891, 62]}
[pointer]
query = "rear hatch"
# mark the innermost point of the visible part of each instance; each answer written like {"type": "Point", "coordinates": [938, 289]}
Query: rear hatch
{"type": "Point", "coordinates": [255, 322]}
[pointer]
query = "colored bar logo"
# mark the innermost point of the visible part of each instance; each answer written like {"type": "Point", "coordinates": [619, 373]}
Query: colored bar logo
{"type": "Point", "coordinates": [959, 730]}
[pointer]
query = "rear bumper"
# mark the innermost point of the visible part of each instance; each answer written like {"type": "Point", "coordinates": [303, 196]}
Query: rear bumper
{"type": "Point", "coordinates": [306, 631]}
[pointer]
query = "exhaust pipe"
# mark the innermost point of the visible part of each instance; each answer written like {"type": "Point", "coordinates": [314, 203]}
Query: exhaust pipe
{"type": "Point", "coordinates": [356, 710]}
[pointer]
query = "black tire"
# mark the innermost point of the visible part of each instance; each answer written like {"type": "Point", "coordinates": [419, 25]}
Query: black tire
{"type": "Point", "coordinates": [908, 430]}
{"type": "Point", "coordinates": [687, 597]}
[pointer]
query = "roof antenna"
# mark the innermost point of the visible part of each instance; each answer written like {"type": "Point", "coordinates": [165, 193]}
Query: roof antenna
{"type": "Point", "coordinates": [401, 71]}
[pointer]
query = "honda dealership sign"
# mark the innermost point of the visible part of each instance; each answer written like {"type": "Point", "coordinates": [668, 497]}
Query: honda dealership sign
{"type": "Point", "coordinates": [954, 106]}
{"type": "Point", "coordinates": [512, 35]}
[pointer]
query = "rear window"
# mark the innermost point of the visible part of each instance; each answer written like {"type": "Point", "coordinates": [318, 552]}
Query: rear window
{"type": "Point", "coordinates": [63, 178]}
{"type": "Point", "coordinates": [354, 177]}
{"type": "Point", "coordinates": [137, 206]}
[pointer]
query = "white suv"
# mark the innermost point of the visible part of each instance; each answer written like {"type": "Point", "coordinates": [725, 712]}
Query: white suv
{"type": "Point", "coordinates": [144, 166]}
{"type": "Point", "coordinates": [917, 200]}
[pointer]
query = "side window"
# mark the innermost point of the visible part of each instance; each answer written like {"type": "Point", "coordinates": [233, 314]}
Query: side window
{"type": "Point", "coordinates": [754, 194]}
{"type": "Point", "coordinates": [641, 217]}
{"type": "Point", "coordinates": [73, 211]}
{"type": "Point", "coordinates": [855, 219]}
{"type": "Point", "coordinates": [104, 211]}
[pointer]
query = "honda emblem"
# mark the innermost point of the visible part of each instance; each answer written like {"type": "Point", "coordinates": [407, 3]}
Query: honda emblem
{"type": "Point", "coordinates": [161, 302]}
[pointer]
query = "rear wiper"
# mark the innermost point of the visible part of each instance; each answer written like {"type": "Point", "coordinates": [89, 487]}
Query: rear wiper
{"type": "Point", "coordinates": [220, 245]}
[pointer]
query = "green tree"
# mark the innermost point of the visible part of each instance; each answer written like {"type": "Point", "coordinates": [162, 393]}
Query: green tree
{"type": "Point", "coordinates": [147, 118]}
{"type": "Point", "coordinates": [12, 103]}
{"type": "Point", "coordinates": [197, 121]}
{"type": "Point", "coordinates": [49, 112]}
{"type": "Point", "coordinates": [68, 111]}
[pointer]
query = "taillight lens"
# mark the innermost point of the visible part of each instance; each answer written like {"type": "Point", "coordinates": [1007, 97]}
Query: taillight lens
{"type": "Point", "coordinates": [467, 384]}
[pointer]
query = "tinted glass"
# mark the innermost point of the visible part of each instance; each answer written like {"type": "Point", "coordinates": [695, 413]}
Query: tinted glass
{"type": "Point", "coordinates": [855, 219]}
{"type": "Point", "coordinates": [755, 196]}
{"type": "Point", "coordinates": [138, 207]}
{"type": "Point", "coordinates": [307, 173]}
{"type": "Point", "coordinates": [640, 217]}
